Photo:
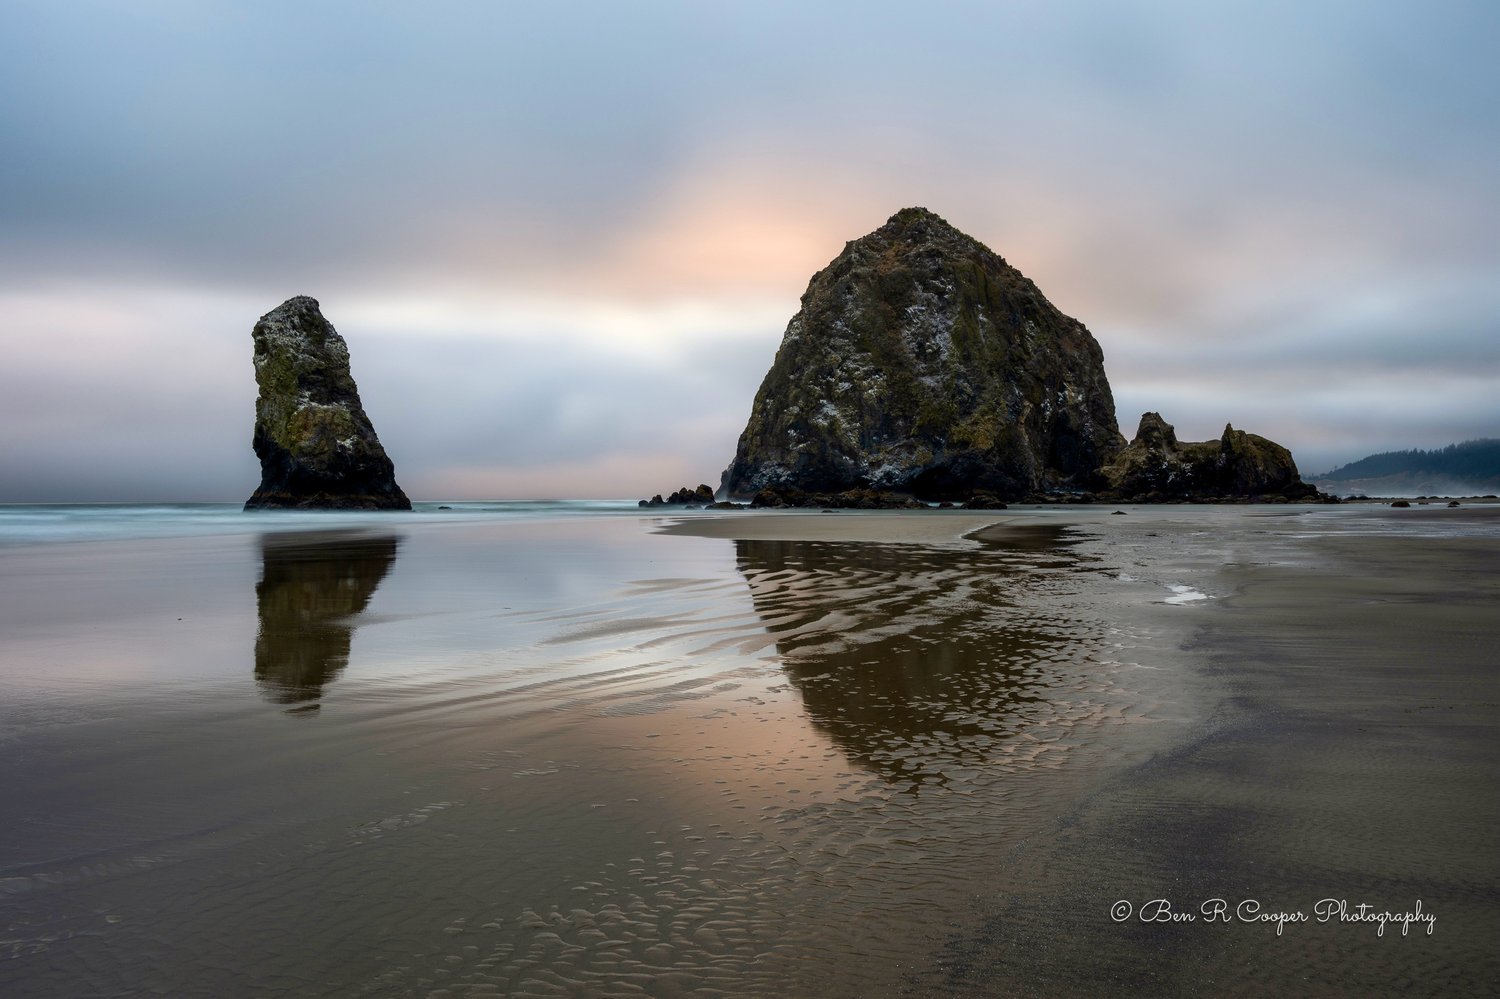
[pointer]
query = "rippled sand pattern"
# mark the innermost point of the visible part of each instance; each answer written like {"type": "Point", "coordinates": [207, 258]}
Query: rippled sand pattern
{"type": "Point", "coordinates": [944, 681]}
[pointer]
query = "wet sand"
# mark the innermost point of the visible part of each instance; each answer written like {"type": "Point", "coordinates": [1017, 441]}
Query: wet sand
{"type": "Point", "coordinates": [590, 757]}
{"type": "Point", "coordinates": [1349, 756]}
{"type": "Point", "coordinates": [1352, 753]}
{"type": "Point", "coordinates": [911, 527]}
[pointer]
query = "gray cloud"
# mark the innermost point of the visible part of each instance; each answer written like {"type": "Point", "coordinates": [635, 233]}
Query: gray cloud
{"type": "Point", "coordinates": [321, 140]}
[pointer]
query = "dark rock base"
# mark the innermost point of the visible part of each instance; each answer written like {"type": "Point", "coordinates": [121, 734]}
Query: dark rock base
{"type": "Point", "coordinates": [852, 499]}
{"type": "Point", "coordinates": [261, 500]}
{"type": "Point", "coordinates": [287, 484]}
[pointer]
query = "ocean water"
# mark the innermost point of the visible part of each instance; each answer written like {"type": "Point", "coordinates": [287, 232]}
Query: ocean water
{"type": "Point", "coordinates": [541, 749]}
{"type": "Point", "coordinates": [22, 524]}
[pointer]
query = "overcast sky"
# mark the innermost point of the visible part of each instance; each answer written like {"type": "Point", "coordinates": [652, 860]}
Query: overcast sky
{"type": "Point", "coordinates": [563, 240]}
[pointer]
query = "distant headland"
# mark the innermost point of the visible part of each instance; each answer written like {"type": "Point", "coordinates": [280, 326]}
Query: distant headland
{"type": "Point", "coordinates": [1469, 468]}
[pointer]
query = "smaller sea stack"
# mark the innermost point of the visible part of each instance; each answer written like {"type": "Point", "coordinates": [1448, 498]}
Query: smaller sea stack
{"type": "Point", "coordinates": [317, 448]}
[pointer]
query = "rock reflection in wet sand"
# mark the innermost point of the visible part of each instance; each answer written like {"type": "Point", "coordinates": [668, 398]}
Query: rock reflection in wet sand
{"type": "Point", "coordinates": [912, 658]}
{"type": "Point", "coordinates": [945, 705]}
{"type": "Point", "coordinates": [311, 589]}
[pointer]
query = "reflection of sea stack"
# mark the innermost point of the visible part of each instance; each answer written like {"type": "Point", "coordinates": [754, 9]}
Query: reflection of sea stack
{"type": "Point", "coordinates": [885, 660]}
{"type": "Point", "coordinates": [317, 448]}
{"type": "Point", "coordinates": [922, 362]}
{"type": "Point", "coordinates": [307, 597]}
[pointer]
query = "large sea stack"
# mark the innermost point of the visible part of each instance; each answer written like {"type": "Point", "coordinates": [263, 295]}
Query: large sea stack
{"type": "Point", "coordinates": [316, 446]}
{"type": "Point", "coordinates": [922, 362]}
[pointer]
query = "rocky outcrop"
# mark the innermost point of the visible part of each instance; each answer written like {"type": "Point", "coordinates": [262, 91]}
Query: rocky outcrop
{"type": "Point", "coordinates": [921, 362]}
{"type": "Point", "coordinates": [702, 496]}
{"type": "Point", "coordinates": [316, 446]}
{"type": "Point", "coordinates": [984, 501]}
{"type": "Point", "coordinates": [1156, 467]}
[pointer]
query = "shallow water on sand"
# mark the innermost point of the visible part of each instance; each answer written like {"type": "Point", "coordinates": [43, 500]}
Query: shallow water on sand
{"type": "Point", "coordinates": [537, 757]}
{"type": "Point", "coordinates": [565, 756]}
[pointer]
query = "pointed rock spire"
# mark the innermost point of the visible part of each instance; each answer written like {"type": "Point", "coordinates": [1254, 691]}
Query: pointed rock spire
{"type": "Point", "coordinates": [317, 448]}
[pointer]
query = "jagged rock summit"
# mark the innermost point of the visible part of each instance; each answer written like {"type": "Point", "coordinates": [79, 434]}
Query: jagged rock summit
{"type": "Point", "coordinates": [1156, 467]}
{"type": "Point", "coordinates": [922, 362]}
{"type": "Point", "coordinates": [317, 448]}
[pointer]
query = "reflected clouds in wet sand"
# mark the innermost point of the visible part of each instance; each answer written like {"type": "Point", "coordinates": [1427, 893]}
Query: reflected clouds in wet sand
{"type": "Point", "coordinates": [312, 588]}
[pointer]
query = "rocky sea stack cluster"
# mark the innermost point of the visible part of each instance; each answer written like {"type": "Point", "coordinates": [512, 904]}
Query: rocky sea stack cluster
{"type": "Point", "coordinates": [1157, 468]}
{"type": "Point", "coordinates": [922, 365]}
{"type": "Point", "coordinates": [686, 498]}
{"type": "Point", "coordinates": [317, 448]}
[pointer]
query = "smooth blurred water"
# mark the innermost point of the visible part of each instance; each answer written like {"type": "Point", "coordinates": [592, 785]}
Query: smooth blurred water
{"type": "Point", "coordinates": [38, 523]}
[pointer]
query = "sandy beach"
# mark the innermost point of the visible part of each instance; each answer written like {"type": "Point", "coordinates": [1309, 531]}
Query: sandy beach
{"type": "Point", "coordinates": [857, 754]}
{"type": "Point", "coordinates": [1348, 760]}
